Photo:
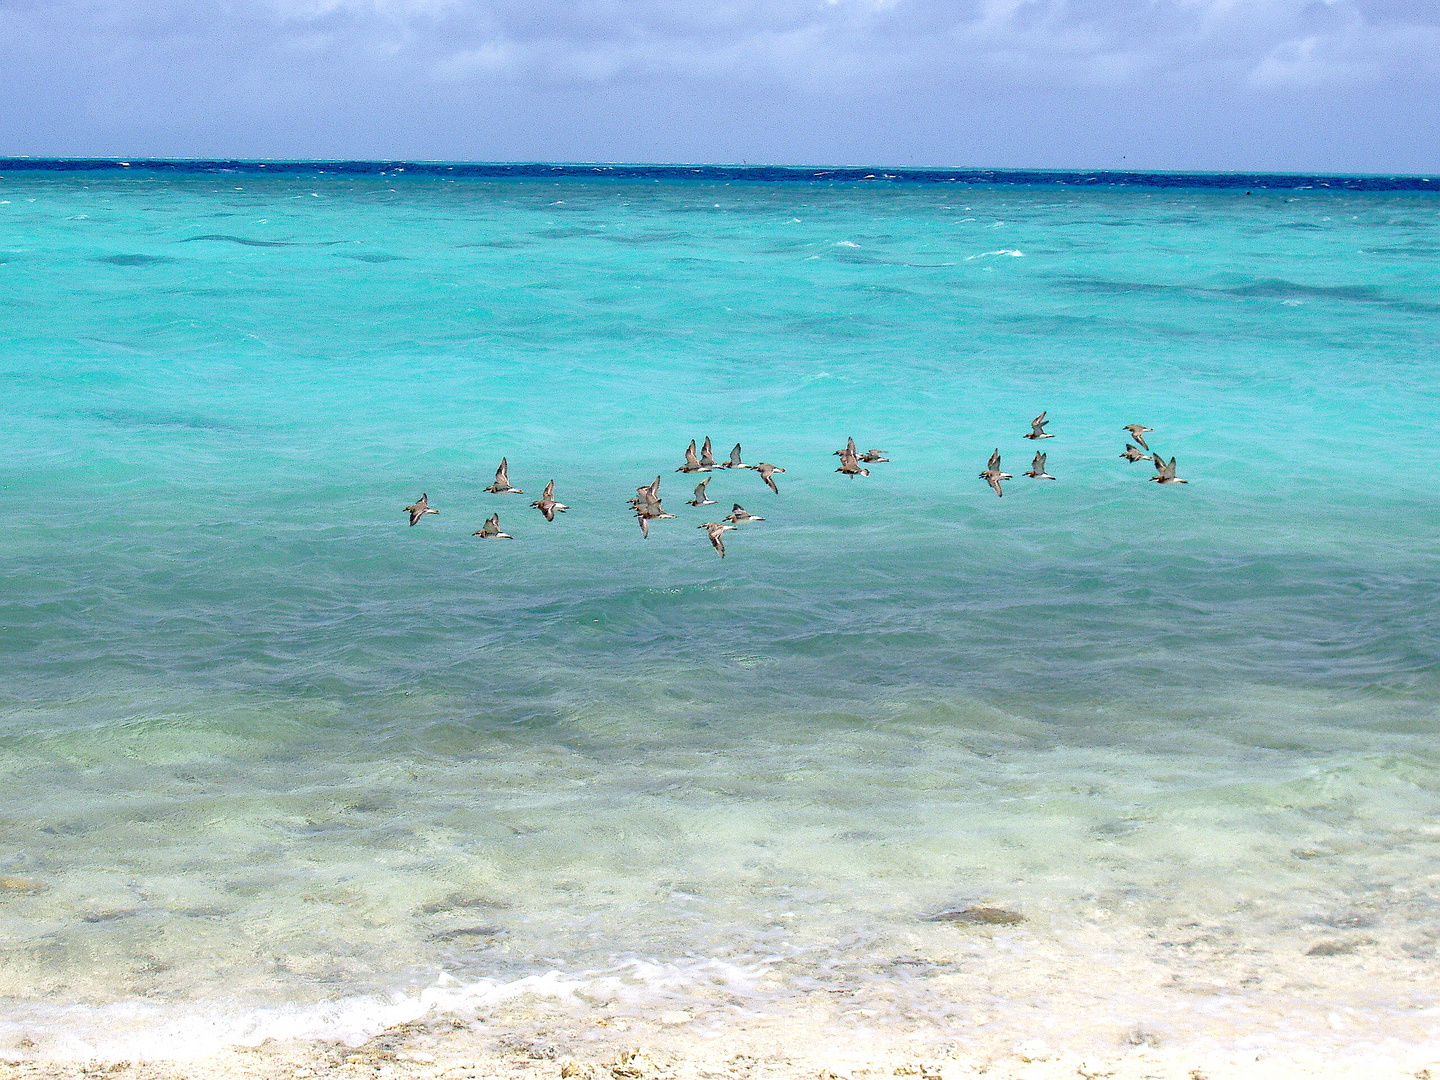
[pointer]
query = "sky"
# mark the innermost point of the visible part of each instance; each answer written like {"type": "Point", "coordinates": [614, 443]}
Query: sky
{"type": "Point", "coordinates": [1289, 85]}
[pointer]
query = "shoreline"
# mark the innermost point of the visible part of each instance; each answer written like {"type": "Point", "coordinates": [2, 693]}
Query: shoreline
{"type": "Point", "coordinates": [519, 1044]}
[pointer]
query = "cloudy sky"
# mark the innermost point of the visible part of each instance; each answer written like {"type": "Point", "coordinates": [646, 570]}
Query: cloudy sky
{"type": "Point", "coordinates": [1339, 85]}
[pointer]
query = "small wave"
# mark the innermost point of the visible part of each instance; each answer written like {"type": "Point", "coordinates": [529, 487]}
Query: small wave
{"type": "Point", "coordinates": [1003, 251]}
{"type": "Point", "coordinates": [846, 243]}
{"type": "Point", "coordinates": [144, 1031]}
{"type": "Point", "coordinates": [140, 1031]}
{"type": "Point", "coordinates": [239, 240]}
{"type": "Point", "coordinates": [131, 260]}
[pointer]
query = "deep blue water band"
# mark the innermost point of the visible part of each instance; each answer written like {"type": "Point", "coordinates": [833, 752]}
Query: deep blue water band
{"type": "Point", "coordinates": [747, 173]}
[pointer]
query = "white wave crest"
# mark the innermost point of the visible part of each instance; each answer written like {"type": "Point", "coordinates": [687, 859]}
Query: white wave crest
{"type": "Point", "coordinates": [145, 1031]}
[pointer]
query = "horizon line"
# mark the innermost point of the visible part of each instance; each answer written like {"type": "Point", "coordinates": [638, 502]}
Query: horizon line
{"type": "Point", "coordinates": [742, 171]}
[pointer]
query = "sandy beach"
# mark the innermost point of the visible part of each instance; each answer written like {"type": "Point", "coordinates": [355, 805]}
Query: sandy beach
{"type": "Point", "coordinates": [519, 1044]}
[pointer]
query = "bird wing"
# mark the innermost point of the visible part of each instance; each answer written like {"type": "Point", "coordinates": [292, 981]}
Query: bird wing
{"type": "Point", "coordinates": [1039, 463]}
{"type": "Point", "coordinates": [549, 491]}
{"type": "Point", "coordinates": [735, 455]}
{"type": "Point", "coordinates": [502, 474]}
{"type": "Point", "coordinates": [994, 465]}
{"type": "Point", "coordinates": [993, 479]}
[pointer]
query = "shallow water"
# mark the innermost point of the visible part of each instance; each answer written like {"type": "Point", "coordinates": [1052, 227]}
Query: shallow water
{"type": "Point", "coordinates": [269, 757]}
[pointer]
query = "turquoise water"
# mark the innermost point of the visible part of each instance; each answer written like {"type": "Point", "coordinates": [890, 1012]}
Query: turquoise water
{"type": "Point", "coordinates": [273, 761]}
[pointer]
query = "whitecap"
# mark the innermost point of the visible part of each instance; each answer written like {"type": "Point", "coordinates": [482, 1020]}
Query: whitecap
{"type": "Point", "coordinates": [1003, 251]}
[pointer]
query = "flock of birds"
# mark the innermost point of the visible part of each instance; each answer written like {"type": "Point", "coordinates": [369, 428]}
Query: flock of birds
{"type": "Point", "coordinates": [647, 506]}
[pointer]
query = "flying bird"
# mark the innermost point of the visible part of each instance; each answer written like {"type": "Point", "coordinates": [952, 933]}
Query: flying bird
{"type": "Point", "coordinates": [716, 529]}
{"type": "Point", "coordinates": [873, 456]}
{"type": "Point", "coordinates": [491, 530]}
{"type": "Point", "coordinates": [501, 486]}
{"type": "Point", "coordinates": [1138, 431]}
{"type": "Point", "coordinates": [420, 509]}
{"type": "Point", "coordinates": [650, 493]}
{"type": "Point", "coordinates": [848, 450]}
{"type": "Point", "coordinates": [701, 499]}
{"type": "Point", "coordinates": [992, 474]}
{"type": "Point", "coordinates": [1037, 428]}
{"type": "Point", "coordinates": [648, 512]}
{"type": "Point", "coordinates": [707, 455]}
{"type": "Point", "coordinates": [740, 516]}
{"type": "Point", "coordinates": [647, 506]}
{"type": "Point", "coordinates": [547, 505]}
{"type": "Point", "coordinates": [1166, 473]}
{"type": "Point", "coordinates": [692, 463]}
{"type": "Point", "coordinates": [850, 465]}
{"type": "Point", "coordinates": [767, 473]}
{"type": "Point", "coordinates": [1132, 455]}
{"type": "Point", "coordinates": [1037, 469]}
{"type": "Point", "coordinates": [735, 462]}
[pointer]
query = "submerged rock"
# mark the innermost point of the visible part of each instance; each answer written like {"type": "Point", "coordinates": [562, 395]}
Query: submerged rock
{"type": "Point", "coordinates": [460, 932]}
{"type": "Point", "coordinates": [1331, 948]}
{"type": "Point", "coordinates": [23, 885]}
{"type": "Point", "coordinates": [978, 916]}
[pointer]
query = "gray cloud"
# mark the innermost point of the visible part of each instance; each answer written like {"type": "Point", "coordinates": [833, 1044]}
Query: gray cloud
{"type": "Point", "coordinates": [1054, 82]}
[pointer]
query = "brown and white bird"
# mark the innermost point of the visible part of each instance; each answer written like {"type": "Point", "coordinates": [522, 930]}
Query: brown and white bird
{"type": "Point", "coordinates": [1166, 472]}
{"type": "Point", "coordinates": [501, 486]}
{"type": "Point", "coordinates": [848, 450]}
{"type": "Point", "coordinates": [1133, 455]}
{"type": "Point", "coordinates": [650, 493]}
{"type": "Point", "coordinates": [850, 464]}
{"type": "Point", "coordinates": [735, 462]}
{"type": "Point", "coordinates": [992, 474]}
{"type": "Point", "coordinates": [647, 513]}
{"type": "Point", "coordinates": [1138, 432]}
{"type": "Point", "coordinates": [707, 456]}
{"type": "Point", "coordinates": [767, 473]}
{"type": "Point", "coordinates": [491, 530]}
{"type": "Point", "coordinates": [716, 530]}
{"type": "Point", "coordinates": [1037, 428]}
{"type": "Point", "coordinates": [701, 499]}
{"type": "Point", "coordinates": [873, 456]}
{"type": "Point", "coordinates": [740, 516]}
{"type": "Point", "coordinates": [1037, 469]}
{"type": "Point", "coordinates": [692, 463]}
{"type": "Point", "coordinates": [420, 509]}
{"type": "Point", "coordinates": [547, 505]}
{"type": "Point", "coordinates": [647, 506]}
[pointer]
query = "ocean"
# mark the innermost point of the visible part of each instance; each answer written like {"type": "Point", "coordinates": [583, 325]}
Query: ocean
{"type": "Point", "coordinates": [275, 763]}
